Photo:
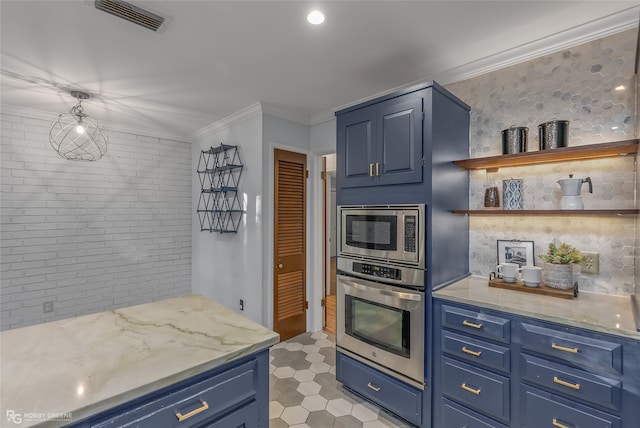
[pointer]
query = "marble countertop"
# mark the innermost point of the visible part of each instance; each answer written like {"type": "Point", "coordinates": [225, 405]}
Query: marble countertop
{"type": "Point", "coordinates": [593, 311]}
{"type": "Point", "coordinates": [80, 366]}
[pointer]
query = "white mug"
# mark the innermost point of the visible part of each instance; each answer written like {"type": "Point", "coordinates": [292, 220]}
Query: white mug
{"type": "Point", "coordinates": [532, 275]}
{"type": "Point", "coordinates": [508, 271]}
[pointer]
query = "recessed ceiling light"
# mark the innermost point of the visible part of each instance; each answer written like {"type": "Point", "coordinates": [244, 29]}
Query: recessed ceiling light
{"type": "Point", "coordinates": [316, 17]}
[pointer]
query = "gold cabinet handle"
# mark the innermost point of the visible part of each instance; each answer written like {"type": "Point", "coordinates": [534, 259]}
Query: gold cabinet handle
{"type": "Point", "coordinates": [377, 169]}
{"type": "Point", "coordinates": [200, 409]}
{"type": "Point", "coordinates": [370, 170]}
{"type": "Point", "coordinates": [469, 351]}
{"type": "Point", "coordinates": [470, 324]}
{"type": "Point", "coordinates": [558, 424]}
{"type": "Point", "coordinates": [562, 348]}
{"type": "Point", "coordinates": [375, 388]}
{"type": "Point", "coordinates": [473, 391]}
{"type": "Point", "coordinates": [575, 386]}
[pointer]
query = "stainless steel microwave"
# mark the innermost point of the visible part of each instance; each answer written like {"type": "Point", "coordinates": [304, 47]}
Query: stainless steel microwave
{"type": "Point", "coordinates": [390, 233]}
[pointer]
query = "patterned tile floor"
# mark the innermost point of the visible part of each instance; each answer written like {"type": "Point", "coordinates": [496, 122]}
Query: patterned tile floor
{"type": "Point", "coordinates": [304, 392]}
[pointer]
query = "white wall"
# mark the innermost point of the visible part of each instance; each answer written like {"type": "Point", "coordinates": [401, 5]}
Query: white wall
{"type": "Point", "coordinates": [228, 267]}
{"type": "Point", "coordinates": [90, 236]}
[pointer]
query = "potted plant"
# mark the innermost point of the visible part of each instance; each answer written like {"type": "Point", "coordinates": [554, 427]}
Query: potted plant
{"type": "Point", "coordinates": [559, 262]}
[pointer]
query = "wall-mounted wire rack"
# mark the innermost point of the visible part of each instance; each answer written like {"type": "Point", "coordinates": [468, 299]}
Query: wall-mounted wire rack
{"type": "Point", "coordinates": [219, 171]}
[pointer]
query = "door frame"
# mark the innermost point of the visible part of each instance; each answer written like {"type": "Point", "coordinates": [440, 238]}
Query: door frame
{"type": "Point", "coordinates": [314, 235]}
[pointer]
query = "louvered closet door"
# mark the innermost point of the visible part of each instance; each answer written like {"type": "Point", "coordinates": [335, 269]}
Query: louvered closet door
{"type": "Point", "coordinates": [289, 244]}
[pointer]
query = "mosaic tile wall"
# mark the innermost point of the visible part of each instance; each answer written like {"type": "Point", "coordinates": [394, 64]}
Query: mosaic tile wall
{"type": "Point", "coordinates": [584, 85]}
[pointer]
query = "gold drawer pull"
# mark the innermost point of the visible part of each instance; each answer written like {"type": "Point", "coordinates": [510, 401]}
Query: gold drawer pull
{"type": "Point", "coordinates": [200, 409]}
{"type": "Point", "coordinates": [563, 383]}
{"type": "Point", "coordinates": [562, 348]}
{"type": "Point", "coordinates": [558, 424]}
{"type": "Point", "coordinates": [469, 351]}
{"type": "Point", "coordinates": [370, 170]}
{"type": "Point", "coordinates": [470, 324]}
{"type": "Point", "coordinates": [377, 169]}
{"type": "Point", "coordinates": [375, 388]}
{"type": "Point", "coordinates": [474, 391]}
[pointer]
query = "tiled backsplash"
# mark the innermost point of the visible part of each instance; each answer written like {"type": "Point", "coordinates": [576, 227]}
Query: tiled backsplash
{"type": "Point", "coordinates": [593, 87]}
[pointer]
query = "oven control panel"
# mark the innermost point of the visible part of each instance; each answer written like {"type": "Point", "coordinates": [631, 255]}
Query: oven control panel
{"type": "Point", "coordinates": [386, 272]}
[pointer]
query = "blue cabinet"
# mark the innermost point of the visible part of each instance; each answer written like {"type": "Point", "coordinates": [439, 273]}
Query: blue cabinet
{"type": "Point", "coordinates": [395, 396]}
{"type": "Point", "coordinates": [400, 148]}
{"type": "Point", "coordinates": [234, 395]}
{"type": "Point", "coordinates": [381, 143]}
{"type": "Point", "coordinates": [534, 373]}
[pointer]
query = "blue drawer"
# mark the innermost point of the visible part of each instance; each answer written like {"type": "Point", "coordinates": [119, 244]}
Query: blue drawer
{"type": "Point", "coordinates": [541, 409]}
{"type": "Point", "coordinates": [456, 416]}
{"type": "Point", "coordinates": [380, 388]}
{"type": "Point", "coordinates": [477, 388]}
{"type": "Point", "coordinates": [477, 351]}
{"type": "Point", "coordinates": [477, 323]}
{"type": "Point", "coordinates": [580, 351]}
{"type": "Point", "coordinates": [572, 382]}
{"type": "Point", "coordinates": [193, 405]}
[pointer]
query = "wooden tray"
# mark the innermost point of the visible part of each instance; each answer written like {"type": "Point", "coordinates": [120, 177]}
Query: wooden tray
{"type": "Point", "coordinates": [541, 289]}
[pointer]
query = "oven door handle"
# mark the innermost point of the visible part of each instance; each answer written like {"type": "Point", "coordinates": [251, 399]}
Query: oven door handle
{"type": "Point", "coordinates": [363, 286]}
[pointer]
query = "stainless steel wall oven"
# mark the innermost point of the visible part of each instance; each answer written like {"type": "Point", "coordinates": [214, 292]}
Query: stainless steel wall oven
{"type": "Point", "coordinates": [381, 300]}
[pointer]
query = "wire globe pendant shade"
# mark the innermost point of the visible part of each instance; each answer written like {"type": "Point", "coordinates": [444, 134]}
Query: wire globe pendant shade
{"type": "Point", "coordinates": [76, 136]}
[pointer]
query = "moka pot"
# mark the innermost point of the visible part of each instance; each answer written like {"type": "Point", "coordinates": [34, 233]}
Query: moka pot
{"type": "Point", "coordinates": [571, 188]}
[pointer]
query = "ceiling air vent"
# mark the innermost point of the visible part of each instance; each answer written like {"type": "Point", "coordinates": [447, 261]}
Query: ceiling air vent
{"type": "Point", "coordinates": [132, 13]}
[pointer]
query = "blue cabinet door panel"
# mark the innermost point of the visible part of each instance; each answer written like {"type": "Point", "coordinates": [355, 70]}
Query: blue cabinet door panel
{"type": "Point", "coordinates": [541, 409]}
{"type": "Point", "coordinates": [477, 351]}
{"type": "Point", "coordinates": [356, 150]}
{"type": "Point", "coordinates": [580, 351]}
{"type": "Point", "coordinates": [477, 323]}
{"type": "Point", "coordinates": [213, 395]}
{"type": "Point", "coordinates": [572, 382]}
{"type": "Point", "coordinates": [482, 390]}
{"type": "Point", "coordinates": [390, 393]}
{"type": "Point", "coordinates": [456, 416]}
{"type": "Point", "coordinates": [400, 141]}
{"type": "Point", "coordinates": [244, 417]}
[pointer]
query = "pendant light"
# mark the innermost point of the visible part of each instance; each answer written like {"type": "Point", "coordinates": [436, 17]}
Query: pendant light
{"type": "Point", "coordinates": [76, 136]}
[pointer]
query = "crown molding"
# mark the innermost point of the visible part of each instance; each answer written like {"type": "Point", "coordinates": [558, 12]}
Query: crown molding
{"type": "Point", "coordinates": [597, 29]}
{"type": "Point", "coordinates": [254, 109]}
{"type": "Point", "coordinates": [109, 127]}
{"type": "Point", "coordinates": [594, 30]}
{"type": "Point", "coordinates": [272, 110]}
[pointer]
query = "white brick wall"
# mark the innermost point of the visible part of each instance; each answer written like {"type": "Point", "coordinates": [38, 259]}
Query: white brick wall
{"type": "Point", "coordinates": [90, 236]}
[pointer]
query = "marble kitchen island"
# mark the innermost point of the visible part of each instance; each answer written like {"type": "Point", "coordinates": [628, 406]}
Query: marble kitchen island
{"type": "Point", "coordinates": [163, 357]}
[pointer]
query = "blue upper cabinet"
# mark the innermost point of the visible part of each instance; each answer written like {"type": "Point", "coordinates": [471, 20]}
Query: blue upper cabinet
{"type": "Point", "coordinates": [381, 143]}
{"type": "Point", "coordinates": [357, 148]}
{"type": "Point", "coordinates": [399, 141]}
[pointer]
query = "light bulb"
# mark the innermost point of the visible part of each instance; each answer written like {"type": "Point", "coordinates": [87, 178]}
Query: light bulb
{"type": "Point", "coordinates": [80, 129]}
{"type": "Point", "coordinates": [316, 17]}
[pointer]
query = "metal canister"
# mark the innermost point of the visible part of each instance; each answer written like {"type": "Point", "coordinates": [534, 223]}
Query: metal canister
{"type": "Point", "coordinates": [553, 134]}
{"type": "Point", "coordinates": [514, 140]}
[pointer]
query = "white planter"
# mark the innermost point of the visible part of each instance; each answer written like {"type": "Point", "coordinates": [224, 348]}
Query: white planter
{"type": "Point", "coordinates": [558, 276]}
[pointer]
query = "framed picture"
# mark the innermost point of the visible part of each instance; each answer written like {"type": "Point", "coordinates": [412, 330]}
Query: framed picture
{"type": "Point", "coordinates": [520, 252]}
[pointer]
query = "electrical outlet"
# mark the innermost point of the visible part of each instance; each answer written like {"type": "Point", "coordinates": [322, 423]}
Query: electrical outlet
{"type": "Point", "coordinates": [591, 263]}
{"type": "Point", "coordinates": [241, 304]}
{"type": "Point", "coordinates": [47, 306]}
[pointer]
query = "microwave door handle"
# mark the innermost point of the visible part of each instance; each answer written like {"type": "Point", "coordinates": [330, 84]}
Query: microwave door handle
{"type": "Point", "coordinates": [398, 294]}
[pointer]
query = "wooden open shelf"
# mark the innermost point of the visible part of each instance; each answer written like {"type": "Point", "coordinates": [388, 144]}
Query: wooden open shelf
{"type": "Point", "coordinates": [564, 154]}
{"type": "Point", "coordinates": [612, 212]}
